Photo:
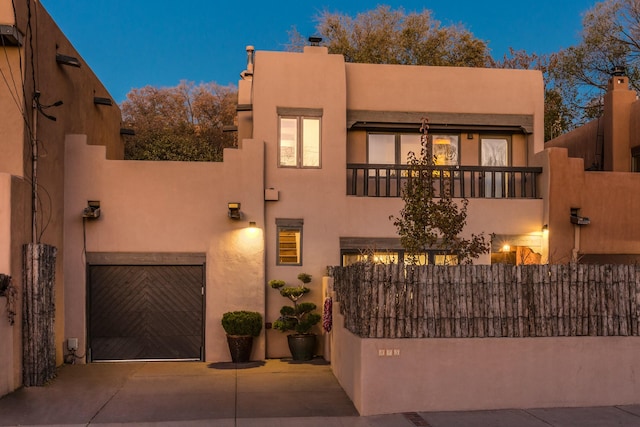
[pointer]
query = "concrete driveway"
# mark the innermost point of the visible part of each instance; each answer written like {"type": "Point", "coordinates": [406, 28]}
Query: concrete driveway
{"type": "Point", "coordinates": [277, 393]}
{"type": "Point", "coordinates": [178, 392]}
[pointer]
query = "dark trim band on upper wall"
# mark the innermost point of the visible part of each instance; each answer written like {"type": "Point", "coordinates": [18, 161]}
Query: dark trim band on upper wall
{"type": "Point", "coordinates": [293, 111]}
{"type": "Point", "coordinates": [365, 119]}
{"type": "Point", "coordinates": [146, 258]}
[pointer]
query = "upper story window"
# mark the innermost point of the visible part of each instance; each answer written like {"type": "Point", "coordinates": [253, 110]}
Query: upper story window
{"type": "Point", "coordinates": [494, 151]}
{"type": "Point", "coordinates": [394, 148]}
{"type": "Point", "coordinates": [299, 139]}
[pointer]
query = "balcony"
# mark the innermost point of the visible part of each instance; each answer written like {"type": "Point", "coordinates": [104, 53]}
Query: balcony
{"type": "Point", "coordinates": [371, 180]}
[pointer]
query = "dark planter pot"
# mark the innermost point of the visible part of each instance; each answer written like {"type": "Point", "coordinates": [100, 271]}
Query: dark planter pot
{"type": "Point", "coordinates": [302, 346]}
{"type": "Point", "coordinates": [240, 347]}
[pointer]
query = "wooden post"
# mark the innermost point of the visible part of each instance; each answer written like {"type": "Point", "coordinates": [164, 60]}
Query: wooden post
{"type": "Point", "coordinates": [38, 332]}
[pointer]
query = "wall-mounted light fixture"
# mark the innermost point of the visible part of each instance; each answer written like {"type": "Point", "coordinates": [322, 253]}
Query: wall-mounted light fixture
{"type": "Point", "coordinates": [545, 227]}
{"type": "Point", "coordinates": [252, 224]}
{"type": "Point", "coordinates": [577, 219]}
{"type": "Point", "coordinates": [92, 211]}
{"type": "Point", "coordinates": [67, 60]}
{"type": "Point", "coordinates": [10, 35]}
{"type": "Point", "coordinates": [98, 100]}
{"type": "Point", "coordinates": [234, 210]}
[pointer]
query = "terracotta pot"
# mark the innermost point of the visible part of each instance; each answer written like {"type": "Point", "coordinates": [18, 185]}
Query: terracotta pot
{"type": "Point", "coordinates": [302, 346]}
{"type": "Point", "coordinates": [240, 347]}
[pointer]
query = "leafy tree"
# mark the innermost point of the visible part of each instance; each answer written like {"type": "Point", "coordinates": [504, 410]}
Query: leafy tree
{"type": "Point", "coordinates": [184, 122]}
{"type": "Point", "coordinates": [429, 220]}
{"type": "Point", "coordinates": [578, 75]}
{"type": "Point", "coordinates": [559, 117]}
{"type": "Point", "coordinates": [386, 36]}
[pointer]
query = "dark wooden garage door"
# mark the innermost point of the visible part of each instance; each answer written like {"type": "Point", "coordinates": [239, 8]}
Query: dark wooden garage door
{"type": "Point", "coordinates": [145, 312]}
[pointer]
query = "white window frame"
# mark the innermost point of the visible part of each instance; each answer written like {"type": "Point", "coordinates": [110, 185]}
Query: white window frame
{"type": "Point", "coordinates": [450, 157]}
{"type": "Point", "coordinates": [300, 117]}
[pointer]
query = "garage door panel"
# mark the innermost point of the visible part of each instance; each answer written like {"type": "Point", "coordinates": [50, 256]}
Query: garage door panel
{"type": "Point", "coordinates": [174, 323]}
{"type": "Point", "coordinates": [146, 312]}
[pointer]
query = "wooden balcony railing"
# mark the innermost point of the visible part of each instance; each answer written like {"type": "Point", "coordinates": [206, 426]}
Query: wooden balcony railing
{"type": "Point", "coordinates": [370, 180]}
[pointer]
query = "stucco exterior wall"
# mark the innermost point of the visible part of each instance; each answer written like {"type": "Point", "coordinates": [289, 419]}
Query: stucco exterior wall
{"type": "Point", "coordinates": [155, 207]}
{"type": "Point", "coordinates": [316, 79]}
{"type": "Point", "coordinates": [311, 80]}
{"type": "Point", "coordinates": [608, 199]}
{"type": "Point", "coordinates": [7, 380]}
{"type": "Point", "coordinates": [484, 373]}
{"type": "Point", "coordinates": [449, 90]}
{"type": "Point", "coordinates": [582, 143]}
{"type": "Point", "coordinates": [33, 66]}
{"type": "Point", "coordinates": [14, 207]}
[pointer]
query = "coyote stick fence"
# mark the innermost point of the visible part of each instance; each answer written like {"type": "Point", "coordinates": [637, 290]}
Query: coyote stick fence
{"type": "Point", "coordinates": [432, 301]}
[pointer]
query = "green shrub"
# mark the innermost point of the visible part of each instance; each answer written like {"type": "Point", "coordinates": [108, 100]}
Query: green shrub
{"type": "Point", "coordinates": [299, 317]}
{"type": "Point", "coordinates": [242, 323]}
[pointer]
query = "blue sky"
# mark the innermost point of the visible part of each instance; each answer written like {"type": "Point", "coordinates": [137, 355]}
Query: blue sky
{"type": "Point", "coordinates": [134, 43]}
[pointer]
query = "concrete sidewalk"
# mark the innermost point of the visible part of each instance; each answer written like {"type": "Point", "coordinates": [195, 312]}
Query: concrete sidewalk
{"type": "Point", "coordinates": [271, 393]}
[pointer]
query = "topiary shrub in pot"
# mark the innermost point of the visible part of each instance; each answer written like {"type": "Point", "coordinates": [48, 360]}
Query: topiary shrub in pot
{"type": "Point", "coordinates": [298, 318]}
{"type": "Point", "coordinates": [241, 327]}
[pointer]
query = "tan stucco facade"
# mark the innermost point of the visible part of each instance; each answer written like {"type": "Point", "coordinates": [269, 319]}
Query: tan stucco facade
{"type": "Point", "coordinates": [28, 68]}
{"type": "Point", "coordinates": [590, 170]}
{"type": "Point", "coordinates": [169, 207]}
{"type": "Point", "coordinates": [160, 210]}
{"type": "Point", "coordinates": [175, 209]}
{"type": "Point", "coordinates": [453, 374]}
{"type": "Point", "coordinates": [318, 80]}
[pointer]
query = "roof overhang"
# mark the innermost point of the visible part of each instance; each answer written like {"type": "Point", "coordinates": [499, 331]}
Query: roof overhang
{"type": "Point", "coordinates": [366, 119]}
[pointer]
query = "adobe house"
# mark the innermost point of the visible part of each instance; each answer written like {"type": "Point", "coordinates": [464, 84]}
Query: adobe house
{"type": "Point", "coordinates": [312, 184]}
{"type": "Point", "coordinates": [317, 174]}
{"type": "Point", "coordinates": [593, 176]}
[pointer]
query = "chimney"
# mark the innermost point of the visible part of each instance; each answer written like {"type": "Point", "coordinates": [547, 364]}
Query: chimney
{"type": "Point", "coordinates": [617, 122]}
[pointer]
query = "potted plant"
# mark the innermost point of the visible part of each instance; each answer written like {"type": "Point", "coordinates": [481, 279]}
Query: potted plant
{"type": "Point", "coordinates": [241, 327]}
{"type": "Point", "coordinates": [298, 318]}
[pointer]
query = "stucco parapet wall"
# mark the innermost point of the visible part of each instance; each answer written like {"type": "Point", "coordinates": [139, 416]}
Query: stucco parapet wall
{"type": "Point", "coordinates": [450, 374]}
{"type": "Point", "coordinates": [447, 89]}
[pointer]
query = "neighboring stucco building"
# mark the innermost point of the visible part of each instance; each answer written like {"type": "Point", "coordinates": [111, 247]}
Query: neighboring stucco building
{"type": "Point", "coordinates": [317, 173]}
{"type": "Point", "coordinates": [593, 175]}
{"type": "Point", "coordinates": [43, 62]}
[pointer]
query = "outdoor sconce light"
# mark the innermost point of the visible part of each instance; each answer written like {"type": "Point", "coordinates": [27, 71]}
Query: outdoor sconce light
{"type": "Point", "coordinates": [67, 60]}
{"type": "Point", "coordinates": [234, 210]}
{"type": "Point", "coordinates": [252, 224]}
{"type": "Point", "coordinates": [577, 219]}
{"type": "Point", "coordinates": [102, 101]}
{"type": "Point", "coordinates": [545, 227]}
{"type": "Point", "coordinates": [10, 35]}
{"type": "Point", "coordinates": [92, 211]}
